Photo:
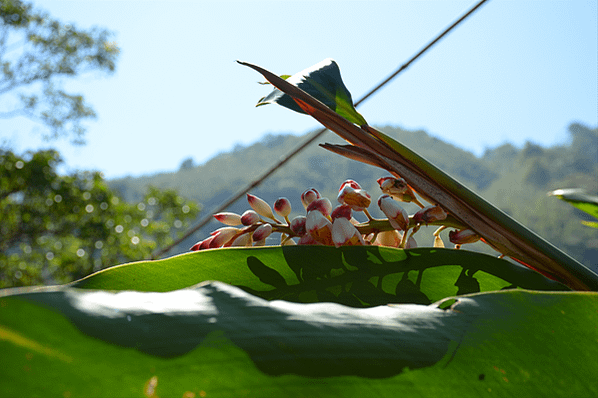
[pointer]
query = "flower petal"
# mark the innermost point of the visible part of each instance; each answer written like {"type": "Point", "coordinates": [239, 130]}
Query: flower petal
{"type": "Point", "coordinates": [228, 218]}
{"type": "Point", "coordinates": [319, 227]}
{"type": "Point", "coordinates": [260, 206]}
{"type": "Point", "coordinates": [345, 234]}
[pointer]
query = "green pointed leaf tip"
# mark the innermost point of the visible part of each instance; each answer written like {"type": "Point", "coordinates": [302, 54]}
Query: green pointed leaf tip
{"type": "Point", "coordinates": [579, 199]}
{"type": "Point", "coordinates": [322, 81]}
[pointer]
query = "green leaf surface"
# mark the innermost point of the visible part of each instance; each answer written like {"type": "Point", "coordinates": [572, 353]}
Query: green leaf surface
{"type": "Point", "coordinates": [322, 81]}
{"type": "Point", "coordinates": [216, 340]}
{"type": "Point", "coordinates": [579, 199]}
{"type": "Point", "coordinates": [357, 275]}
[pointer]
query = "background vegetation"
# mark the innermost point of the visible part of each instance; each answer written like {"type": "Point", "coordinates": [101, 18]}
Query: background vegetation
{"type": "Point", "coordinates": [57, 228]}
{"type": "Point", "coordinates": [515, 179]}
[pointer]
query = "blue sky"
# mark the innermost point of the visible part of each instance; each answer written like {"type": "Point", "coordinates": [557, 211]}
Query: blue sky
{"type": "Point", "coordinates": [515, 71]}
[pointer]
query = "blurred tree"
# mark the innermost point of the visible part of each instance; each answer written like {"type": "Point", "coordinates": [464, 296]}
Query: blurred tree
{"type": "Point", "coordinates": [36, 54]}
{"type": "Point", "coordinates": [57, 228]}
{"type": "Point", "coordinates": [187, 164]}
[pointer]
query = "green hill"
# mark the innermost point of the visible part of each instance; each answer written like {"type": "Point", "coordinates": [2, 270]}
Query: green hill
{"type": "Point", "coordinates": [516, 180]}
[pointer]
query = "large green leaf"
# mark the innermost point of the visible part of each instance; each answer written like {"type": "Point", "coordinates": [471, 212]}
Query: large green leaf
{"type": "Point", "coordinates": [355, 275]}
{"type": "Point", "coordinates": [216, 340]}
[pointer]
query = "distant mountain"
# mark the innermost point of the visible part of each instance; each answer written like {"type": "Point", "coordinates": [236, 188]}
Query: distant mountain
{"type": "Point", "coordinates": [516, 180]}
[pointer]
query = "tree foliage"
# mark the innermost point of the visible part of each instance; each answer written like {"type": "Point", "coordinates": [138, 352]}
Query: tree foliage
{"type": "Point", "coordinates": [37, 53]}
{"type": "Point", "coordinates": [57, 228]}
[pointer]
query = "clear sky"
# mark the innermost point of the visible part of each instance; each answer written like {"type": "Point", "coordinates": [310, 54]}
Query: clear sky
{"type": "Point", "coordinates": [515, 71]}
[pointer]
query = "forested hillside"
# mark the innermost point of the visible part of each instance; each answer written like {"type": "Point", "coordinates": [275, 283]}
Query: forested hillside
{"type": "Point", "coordinates": [514, 179]}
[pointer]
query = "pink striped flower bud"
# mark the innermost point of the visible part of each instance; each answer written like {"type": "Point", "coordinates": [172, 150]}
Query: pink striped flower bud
{"type": "Point", "coordinates": [319, 227]}
{"type": "Point", "coordinates": [222, 236]}
{"type": "Point", "coordinates": [262, 232]}
{"type": "Point", "coordinates": [397, 188]}
{"type": "Point", "coordinates": [282, 207]}
{"type": "Point", "coordinates": [345, 234]}
{"type": "Point", "coordinates": [196, 246]}
{"type": "Point", "coordinates": [260, 206]}
{"type": "Point", "coordinates": [429, 214]}
{"type": "Point", "coordinates": [250, 217]}
{"type": "Point", "coordinates": [309, 196]}
{"type": "Point", "coordinates": [358, 198]}
{"type": "Point", "coordinates": [343, 211]}
{"type": "Point", "coordinates": [205, 244]}
{"type": "Point", "coordinates": [397, 216]}
{"type": "Point", "coordinates": [298, 225]}
{"type": "Point", "coordinates": [202, 244]}
{"type": "Point", "coordinates": [322, 205]}
{"type": "Point", "coordinates": [228, 218]}
{"type": "Point", "coordinates": [463, 236]}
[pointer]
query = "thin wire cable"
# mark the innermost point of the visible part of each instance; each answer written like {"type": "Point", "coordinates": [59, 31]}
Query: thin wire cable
{"type": "Point", "coordinates": [313, 137]}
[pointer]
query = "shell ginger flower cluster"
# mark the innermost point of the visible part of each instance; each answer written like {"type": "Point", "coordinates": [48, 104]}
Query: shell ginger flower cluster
{"type": "Point", "coordinates": [324, 225]}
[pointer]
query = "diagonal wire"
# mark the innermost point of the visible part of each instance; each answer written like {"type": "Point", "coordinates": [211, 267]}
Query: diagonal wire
{"type": "Point", "coordinates": [313, 137]}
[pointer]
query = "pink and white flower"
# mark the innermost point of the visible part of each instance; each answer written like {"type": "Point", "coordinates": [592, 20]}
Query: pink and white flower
{"type": "Point", "coordinates": [342, 211]}
{"type": "Point", "coordinates": [345, 234]}
{"type": "Point", "coordinates": [298, 225]}
{"type": "Point", "coordinates": [282, 207]}
{"type": "Point", "coordinates": [394, 238]}
{"type": "Point", "coordinates": [397, 188]}
{"type": "Point", "coordinates": [463, 236]}
{"type": "Point", "coordinates": [319, 227]}
{"type": "Point", "coordinates": [358, 199]}
{"type": "Point", "coordinates": [307, 239]}
{"type": "Point", "coordinates": [309, 196]}
{"type": "Point", "coordinates": [322, 205]}
{"type": "Point", "coordinates": [397, 216]}
{"type": "Point", "coordinates": [222, 236]}
{"type": "Point", "coordinates": [250, 217]}
{"type": "Point", "coordinates": [429, 214]}
{"type": "Point", "coordinates": [262, 232]}
{"type": "Point", "coordinates": [242, 241]}
{"type": "Point", "coordinates": [390, 238]}
{"type": "Point", "coordinates": [352, 183]}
